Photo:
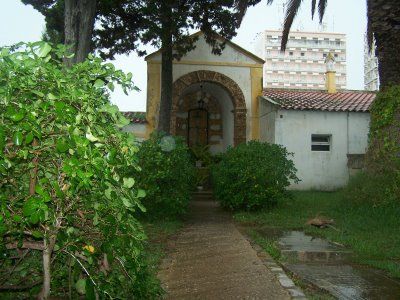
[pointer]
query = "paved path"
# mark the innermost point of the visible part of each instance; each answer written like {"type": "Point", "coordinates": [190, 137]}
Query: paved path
{"type": "Point", "coordinates": [211, 259]}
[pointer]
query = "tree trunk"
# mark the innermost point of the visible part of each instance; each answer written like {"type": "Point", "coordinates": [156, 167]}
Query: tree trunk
{"type": "Point", "coordinates": [79, 23]}
{"type": "Point", "coordinates": [384, 18]}
{"type": "Point", "coordinates": [164, 121]}
{"type": "Point", "coordinates": [48, 247]}
{"type": "Point", "coordinates": [384, 146]}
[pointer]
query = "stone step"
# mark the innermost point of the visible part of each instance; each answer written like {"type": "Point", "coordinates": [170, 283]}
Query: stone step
{"type": "Point", "coordinates": [203, 196]}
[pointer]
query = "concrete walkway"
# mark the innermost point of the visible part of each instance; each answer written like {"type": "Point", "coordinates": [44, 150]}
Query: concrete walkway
{"type": "Point", "coordinates": [211, 259]}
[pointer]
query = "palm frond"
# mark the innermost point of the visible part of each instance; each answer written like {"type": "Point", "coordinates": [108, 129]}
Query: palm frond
{"type": "Point", "coordinates": [291, 12]}
{"type": "Point", "coordinates": [241, 8]}
{"type": "Point", "coordinates": [322, 4]}
{"type": "Point", "coordinates": [313, 4]}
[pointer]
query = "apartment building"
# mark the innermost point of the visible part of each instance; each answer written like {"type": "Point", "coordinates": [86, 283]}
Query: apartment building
{"type": "Point", "coordinates": [371, 75]}
{"type": "Point", "coordinates": [302, 65]}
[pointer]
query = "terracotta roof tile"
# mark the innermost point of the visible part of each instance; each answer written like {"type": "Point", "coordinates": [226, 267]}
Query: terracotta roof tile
{"type": "Point", "coordinates": [355, 101]}
{"type": "Point", "coordinates": [136, 117]}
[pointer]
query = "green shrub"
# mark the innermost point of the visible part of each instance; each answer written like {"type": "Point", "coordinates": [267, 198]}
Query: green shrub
{"type": "Point", "coordinates": [252, 176]}
{"type": "Point", "coordinates": [384, 145]}
{"type": "Point", "coordinates": [66, 199]}
{"type": "Point", "coordinates": [373, 189]}
{"type": "Point", "coordinates": [167, 174]}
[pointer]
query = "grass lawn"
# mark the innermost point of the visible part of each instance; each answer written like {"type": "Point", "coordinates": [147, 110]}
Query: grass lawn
{"type": "Point", "coordinates": [373, 233]}
{"type": "Point", "coordinates": [158, 233]}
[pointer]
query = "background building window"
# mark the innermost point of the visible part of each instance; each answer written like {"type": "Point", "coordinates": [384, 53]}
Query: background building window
{"type": "Point", "coordinates": [321, 142]}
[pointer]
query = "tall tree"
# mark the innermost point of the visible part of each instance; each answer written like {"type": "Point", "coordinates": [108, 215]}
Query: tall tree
{"type": "Point", "coordinates": [161, 23]}
{"type": "Point", "coordinates": [79, 18]}
{"type": "Point", "coordinates": [167, 24]}
{"type": "Point", "coordinates": [69, 21]}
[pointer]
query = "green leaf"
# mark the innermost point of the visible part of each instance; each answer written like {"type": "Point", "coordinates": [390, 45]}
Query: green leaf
{"type": "Point", "coordinates": [38, 93]}
{"type": "Point", "coordinates": [108, 193]}
{"type": "Point", "coordinates": [18, 116]}
{"type": "Point", "coordinates": [37, 234]}
{"type": "Point", "coordinates": [90, 293]}
{"type": "Point", "coordinates": [35, 210]}
{"type": "Point", "coordinates": [96, 219]}
{"type": "Point", "coordinates": [141, 193]}
{"type": "Point", "coordinates": [80, 286]}
{"type": "Point", "coordinates": [17, 218]}
{"type": "Point", "coordinates": [91, 137]}
{"type": "Point", "coordinates": [128, 182]}
{"type": "Point", "coordinates": [2, 138]}
{"type": "Point", "coordinates": [50, 96]}
{"type": "Point", "coordinates": [141, 207]}
{"type": "Point", "coordinates": [98, 83]}
{"type": "Point", "coordinates": [29, 138]}
{"type": "Point", "coordinates": [17, 138]}
{"type": "Point", "coordinates": [44, 49]}
{"type": "Point", "coordinates": [45, 195]}
{"type": "Point", "coordinates": [126, 202]}
{"type": "Point", "coordinates": [62, 146]}
{"type": "Point", "coordinates": [111, 86]}
{"type": "Point", "coordinates": [122, 121]}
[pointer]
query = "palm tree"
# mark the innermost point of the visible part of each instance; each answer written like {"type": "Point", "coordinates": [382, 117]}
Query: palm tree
{"type": "Point", "coordinates": [383, 25]}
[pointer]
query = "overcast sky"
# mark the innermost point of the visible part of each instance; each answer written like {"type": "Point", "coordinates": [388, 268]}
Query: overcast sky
{"type": "Point", "coordinates": [22, 23]}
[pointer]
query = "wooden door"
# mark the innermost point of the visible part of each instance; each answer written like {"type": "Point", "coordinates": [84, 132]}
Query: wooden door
{"type": "Point", "coordinates": [197, 127]}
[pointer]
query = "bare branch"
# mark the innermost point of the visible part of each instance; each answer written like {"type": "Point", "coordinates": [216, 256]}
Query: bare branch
{"type": "Point", "coordinates": [20, 287]}
{"type": "Point", "coordinates": [26, 245]}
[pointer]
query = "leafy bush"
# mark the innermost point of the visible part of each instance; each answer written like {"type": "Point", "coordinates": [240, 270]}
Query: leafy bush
{"type": "Point", "coordinates": [373, 189]}
{"type": "Point", "coordinates": [384, 148]}
{"type": "Point", "coordinates": [252, 175]}
{"type": "Point", "coordinates": [66, 199]}
{"type": "Point", "coordinates": [167, 174]}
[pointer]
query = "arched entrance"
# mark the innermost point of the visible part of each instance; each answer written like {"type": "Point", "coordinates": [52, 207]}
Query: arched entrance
{"type": "Point", "coordinates": [224, 82]}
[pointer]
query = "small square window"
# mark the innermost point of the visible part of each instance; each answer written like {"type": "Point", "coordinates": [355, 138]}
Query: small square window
{"type": "Point", "coordinates": [302, 53]}
{"type": "Point", "coordinates": [321, 142]}
{"type": "Point", "coordinates": [291, 53]}
{"type": "Point", "coordinates": [324, 55]}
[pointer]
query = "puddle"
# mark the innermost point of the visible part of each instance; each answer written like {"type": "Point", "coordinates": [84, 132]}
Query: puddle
{"type": "Point", "coordinates": [348, 281]}
{"type": "Point", "coordinates": [327, 266]}
{"type": "Point", "coordinates": [299, 241]}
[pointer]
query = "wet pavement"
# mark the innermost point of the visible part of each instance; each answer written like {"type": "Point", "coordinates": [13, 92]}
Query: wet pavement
{"type": "Point", "coordinates": [211, 259]}
{"type": "Point", "coordinates": [328, 266]}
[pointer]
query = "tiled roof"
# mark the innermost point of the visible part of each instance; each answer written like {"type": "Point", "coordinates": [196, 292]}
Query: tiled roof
{"type": "Point", "coordinates": [137, 117]}
{"type": "Point", "coordinates": [354, 101]}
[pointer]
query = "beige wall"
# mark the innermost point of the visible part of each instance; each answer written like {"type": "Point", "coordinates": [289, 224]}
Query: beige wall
{"type": "Point", "coordinates": [243, 69]}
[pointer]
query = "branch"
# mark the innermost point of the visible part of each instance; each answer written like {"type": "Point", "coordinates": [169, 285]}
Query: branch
{"type": "Point", "coordinates": [26, 245]}
{"type": "Point", "coordinates": [35, 162]}
{"type": "Point", "coordinates": [123, 268]}
{"type": "Point", "coordinates": [20, 287]}
{"type": "Point", "coordinates": [83, 267]}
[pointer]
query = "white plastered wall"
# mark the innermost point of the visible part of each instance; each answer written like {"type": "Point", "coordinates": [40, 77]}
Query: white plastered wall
{"type": "Point", "coordinates": [317, 169]}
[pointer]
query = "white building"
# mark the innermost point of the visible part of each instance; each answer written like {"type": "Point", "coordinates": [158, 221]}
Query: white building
{"type": "Point", "coordinates": [218, 100]}
{"type": "Point", "coordinates": [302, 65]}
{"type": "Point", "coordinates": [371, 75]}
{"type": "Point", "coordinates": [326, 132]}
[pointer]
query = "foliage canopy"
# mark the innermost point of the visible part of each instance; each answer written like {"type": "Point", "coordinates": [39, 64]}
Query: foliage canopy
{"type": "Point", "coordinates": [252, 175]}
{"type": "Point", "coordinates": [66, 197]}
{"type": "Point", "coordinates": [167, 174]}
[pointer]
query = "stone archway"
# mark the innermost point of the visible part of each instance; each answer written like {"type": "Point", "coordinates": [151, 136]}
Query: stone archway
{"type": "Point", "coordinates": [236, 94]}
